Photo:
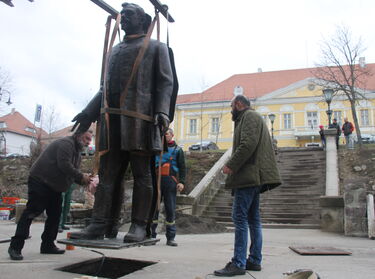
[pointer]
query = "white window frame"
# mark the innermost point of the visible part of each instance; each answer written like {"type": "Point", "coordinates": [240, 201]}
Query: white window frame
{"type": "Point", "coordinates": [287, 121]}
{"type": "Point", "coordinates": [215, 127]}
{"type": "Point", "coordinates": [365, 117]}
{"type": "Point", "coordinates": [191, 120]}
{"type": "Point", "coordinates": [338, 115]}
{"type": "Point", "coordinates": [312, 121]}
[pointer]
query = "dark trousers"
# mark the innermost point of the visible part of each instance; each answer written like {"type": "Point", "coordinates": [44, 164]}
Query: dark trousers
{"type": "Point", "coordinates": [168, 196]}
{"type": "Point", "coordinates": [41, 197]}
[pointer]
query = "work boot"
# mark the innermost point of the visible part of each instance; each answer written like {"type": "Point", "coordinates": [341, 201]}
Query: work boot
{"type": "Point", "coordinates": [137, 233]}
{"type": "Point", "coordinates": [94, 231]}
{"type": "Point", "coordinates": [253, 266]}
{"type": "Point", "coordinates": [15, 254]}
{"type": "Point", "coordinates": [50, 249]}
{"type": "Point", "coordinates": [230, 270]}
{"type": "Point", "coordinates": [172, 243]}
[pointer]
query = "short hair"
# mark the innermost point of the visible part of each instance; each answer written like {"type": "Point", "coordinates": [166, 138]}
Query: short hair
{"type": "Point", "coordinates": [242, 99]}
{"type": "Point", "coordinates": [170, 130]}
{"type": "Point", "coordinates": [139, 9]}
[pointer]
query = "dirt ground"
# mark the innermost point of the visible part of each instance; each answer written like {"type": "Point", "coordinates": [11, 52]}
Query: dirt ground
{"type": "Point", "coordinates": [358, 164]}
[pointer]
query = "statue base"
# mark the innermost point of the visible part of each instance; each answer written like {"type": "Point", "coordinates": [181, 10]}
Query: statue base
{"type": "Point", "coordinates": [107, 243]}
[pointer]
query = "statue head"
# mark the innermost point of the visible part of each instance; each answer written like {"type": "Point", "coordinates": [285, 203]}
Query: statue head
{"type": "Point", "coordinates": [133, 19]}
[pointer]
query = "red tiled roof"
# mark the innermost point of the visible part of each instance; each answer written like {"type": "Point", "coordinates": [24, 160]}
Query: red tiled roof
{"type": "Point", "coordinates": [67, 132]}
{"type": "Point", "coordinates": [257, 84]}
{"type": "Point", "coordinates": [17, 123]}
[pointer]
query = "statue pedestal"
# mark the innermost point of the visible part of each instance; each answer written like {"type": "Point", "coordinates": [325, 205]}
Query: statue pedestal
{"type": "Point", "coordinates": [116, 243]}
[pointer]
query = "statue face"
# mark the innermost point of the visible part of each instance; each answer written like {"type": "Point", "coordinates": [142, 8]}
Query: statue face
{"type": "Point", "coordinates": [132, 20]}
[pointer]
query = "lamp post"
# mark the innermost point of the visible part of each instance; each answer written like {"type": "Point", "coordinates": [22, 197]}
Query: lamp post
{"type": "Point", "coordinates": [328, 95]}
{"type": "Point", "coordinates": [272, 119]}
{"type": "Point", "coordinates": [2, 91]}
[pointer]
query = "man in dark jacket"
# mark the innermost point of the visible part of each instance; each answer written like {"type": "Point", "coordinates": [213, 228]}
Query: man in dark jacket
{"type": "Point", "coordinates": [251, 169]}
{"type": "Point", "coordinates": [336, 126]}
{"type": "Point", "coordinates": [139, 105]}
{"type": "Point", "coordinates": [173, 171]}
{"type": "Point", "coordinates": [51, 174]}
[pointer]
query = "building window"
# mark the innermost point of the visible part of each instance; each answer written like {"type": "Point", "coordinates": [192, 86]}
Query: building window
{"type": "Point", "coordinates": [193, 126]}
{"type": "Point", "coordinates": [287, 120]}
{"type": "Point", "coordinates": [312, 119]}
{"type": "Point", "coordinates": [3, 125]}
{"type": "Point", "coordinates": [337, 115]}
{"type": "Point", "coordinates": [364, 118]}
{"type": "Point", "coordinates": [215, 125]}
{"type": "Point", "coordinates": [31, 130]}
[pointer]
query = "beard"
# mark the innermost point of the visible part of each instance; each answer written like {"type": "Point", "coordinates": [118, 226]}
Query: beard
{"type": "Point", "coordinates": [235, 114]}
{"type": "Point", "coordinates": [80, 145]}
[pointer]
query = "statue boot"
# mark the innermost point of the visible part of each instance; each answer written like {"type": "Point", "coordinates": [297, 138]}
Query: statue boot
{"type": "Point", "coordinates": [94, 231]}
{"type": "Point", "coordinates": [112, 229]}
{"type": "Point", "coordinates": [141, 206]}
{"type": "Point", "coordinates": [136, 233]}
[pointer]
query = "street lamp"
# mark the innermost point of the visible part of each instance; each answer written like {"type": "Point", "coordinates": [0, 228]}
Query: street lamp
{"type": "Point", "coordinates": [328, 95]}
{"type": "Point", "coordinates": [272, 119]}
{"type": "Point", "coordinates": [1, 96]}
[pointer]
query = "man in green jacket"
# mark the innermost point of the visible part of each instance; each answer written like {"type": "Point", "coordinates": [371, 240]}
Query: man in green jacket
{"type": "Point", "coordinates": [251, 170]}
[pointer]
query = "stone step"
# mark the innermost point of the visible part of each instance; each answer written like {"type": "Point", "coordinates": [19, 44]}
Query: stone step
{"type": "Point", "coordinates": [230, 226]}
{"type": "Point", "coordinates": [271, 220]}
{"type": "Point", "coordinates": [295, 204]}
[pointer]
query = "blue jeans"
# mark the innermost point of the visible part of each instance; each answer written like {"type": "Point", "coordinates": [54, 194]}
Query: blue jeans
{"type": "Point", "coordinates": [246, 216]}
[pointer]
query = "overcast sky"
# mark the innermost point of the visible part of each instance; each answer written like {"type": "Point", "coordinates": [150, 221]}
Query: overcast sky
{"type": "Point", "coordinates": [52, 48]}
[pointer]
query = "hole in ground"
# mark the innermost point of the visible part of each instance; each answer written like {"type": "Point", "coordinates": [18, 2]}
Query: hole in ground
{"type": "Point", "coordinates": [106, 267]}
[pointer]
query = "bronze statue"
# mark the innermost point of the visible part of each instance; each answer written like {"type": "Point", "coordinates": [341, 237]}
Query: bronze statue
{"type": "Point", "coordinates": [139, 104]}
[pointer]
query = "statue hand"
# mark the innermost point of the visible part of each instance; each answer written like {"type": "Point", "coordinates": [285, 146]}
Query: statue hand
{"type": "Point", "coordinates": [82, 120]}
{"type": "Point", "coordinates": [162, 120]}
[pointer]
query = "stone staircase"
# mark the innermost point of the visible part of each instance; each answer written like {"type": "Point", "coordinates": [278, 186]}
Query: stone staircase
{"type": "Point", "coordinates": [294, 204]}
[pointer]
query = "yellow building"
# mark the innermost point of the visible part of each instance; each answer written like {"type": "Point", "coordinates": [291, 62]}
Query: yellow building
{"type": "Point", "coordinates": [290, 95]}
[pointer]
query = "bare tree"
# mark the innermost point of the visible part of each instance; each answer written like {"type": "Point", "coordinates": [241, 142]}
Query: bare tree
{"type": "Point", "coordinates": [5, 88]}
{"type": "Point", "coordinates": [50, 121]}
{"type": "Point", "coordinates": [341, 69]}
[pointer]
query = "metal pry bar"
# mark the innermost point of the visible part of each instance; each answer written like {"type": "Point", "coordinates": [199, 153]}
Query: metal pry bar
{"type": "Point", "coordinates": [163, 9]}
{"type": "Point", "coordinates": [112, 11]}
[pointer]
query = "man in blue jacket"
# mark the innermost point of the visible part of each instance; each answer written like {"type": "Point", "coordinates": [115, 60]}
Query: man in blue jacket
{"type": "Point", "coordinates": [173, 172]}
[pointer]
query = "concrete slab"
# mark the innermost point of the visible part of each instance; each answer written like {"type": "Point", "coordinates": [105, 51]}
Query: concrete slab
{"type": "Point", "coordinates": [199, 255]}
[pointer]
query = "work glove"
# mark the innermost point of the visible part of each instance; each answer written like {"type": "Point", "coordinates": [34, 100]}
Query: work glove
{"type": "Point", "coordinates": [82, 121]}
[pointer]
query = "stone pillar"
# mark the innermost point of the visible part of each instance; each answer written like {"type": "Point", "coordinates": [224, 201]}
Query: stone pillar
{"type": "Point", "coordinates": [355, 217]}
{"type": "Point", "coordinates": [332, 214]}
{"type": "Point", "coordinates": [371, 216]}
{"type": "Point", "coordinates": [332, 174]}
